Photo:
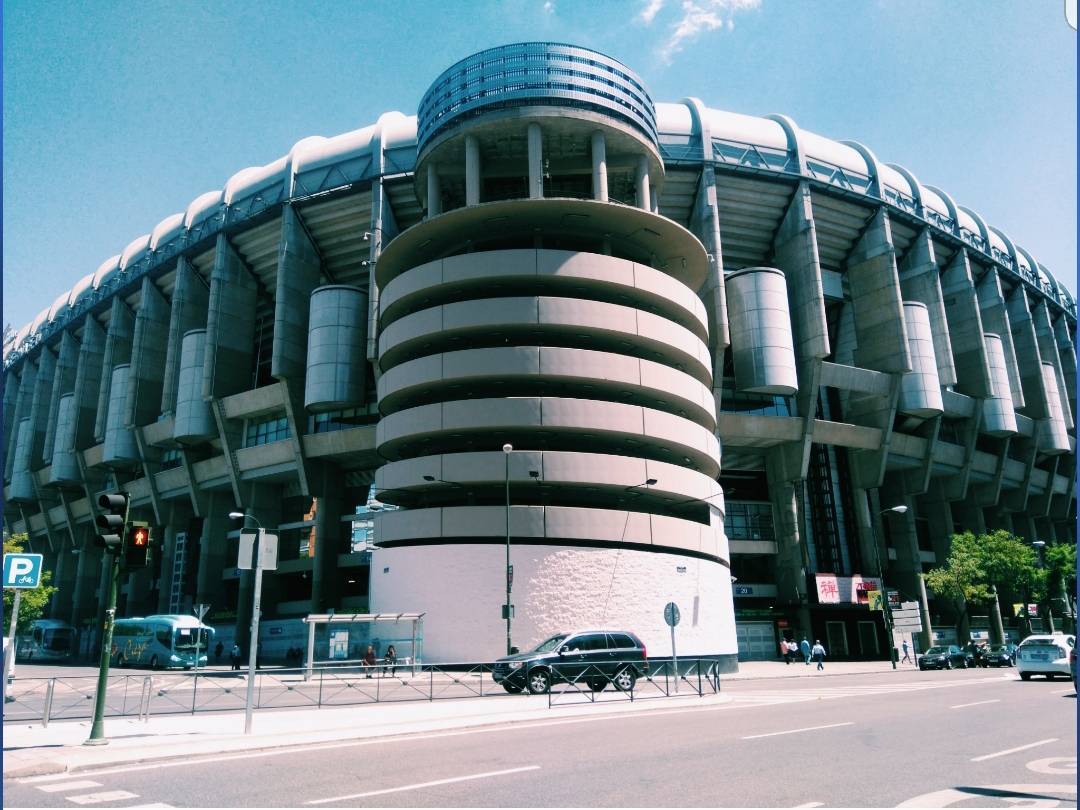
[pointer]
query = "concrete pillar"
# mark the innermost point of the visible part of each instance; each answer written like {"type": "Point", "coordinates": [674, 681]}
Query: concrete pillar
{"type": "Point", "coordinates": [39, 404]}
{"type": "Point", "coordinates": [188, 311]}
{"type": "Point", "coordinates": [760, 324]}
{"type": "Point", "coordinates": [997, 628]}
{"type": "Point", "coordinates": [11, 398]}
{"type": "Point", "coordinates": [61, 578]}
{"type": "Point", "coordinates": [904, 571]}
{"type": "Point", "coordinates": [25, 395]}
{"type": "Point", "coordinates": [1030, 359]}
{"type": "Point", "coordinates": [149, 346]}
{"type": "Point", "coordinates": [82, 600]}
{"type": "Point", "coordinates": [324, 567]}
{"type": "Point", "coordinates": [298, 272]}
{"type": "Point", "coordinates": [230, 324]}
{"type": "Point", "coordinates": [1048, 350]}
{"type": "Point", "coordinates": [881, 334]}
{"type": "Point", "coordinates": [920, 390]}
{"type": "Point", "coordinates": [599, 166]}
{"type": "Point", "coordinates": [1067, 354]}
{"type": "Point", "coordinates": [995, 319]}
{"type": "Point", "coordinates": [67, 360]}
{"type": "Point", "coordinates": [383, 229]}
{"type": "Point", "coordinates": [999, 418]}
{"type": "Point", "coordinates": [536, 161]}
{"type": "Point", "coordinates": [966, 326]}
{"type": "Point", "coordinates": [920, 280]}
{"type": "Point", "coordinates": [265, 504]}
{"type": "Point", "coordinates": [869, 539]}
{"type": "Point", "coordinates": [472, 170]}
{"type": "Point", "coordinates": [641, 180]}
{"type": "Point", "coordinates": [213, 548]}
{"type": "Point", "coordinates": [705, 224]}
{"type": "Point", "coordinates": [792, 558]}
{"type": "Point", "coordinates": [336, 371]}
{"type": "Point", "coordinates": [117, 352]}
{"type": "Point", "coordinates": [88, 377]}
{"type": "Point", "coordinates": [119, 445]}
{"type": "Point", "coordinates": [926, 637]}
{"type": "Point", "coordinates": [434, 191]}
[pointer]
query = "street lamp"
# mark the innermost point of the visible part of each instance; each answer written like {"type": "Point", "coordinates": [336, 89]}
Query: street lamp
{"type": "Point", "coordinates": [253, 641]}
{"type": "Point", "coordinates": [886, 611]}
{"type": "Point", "coordinates": [507, 450]}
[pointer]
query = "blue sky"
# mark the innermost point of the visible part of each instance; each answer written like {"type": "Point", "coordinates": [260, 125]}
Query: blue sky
{"type": "Point", "coordinates": [117, 114]}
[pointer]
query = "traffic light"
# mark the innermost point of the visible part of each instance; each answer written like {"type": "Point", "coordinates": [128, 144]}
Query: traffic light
{"type": "Point", "coordinates": [111, 521]}
{"type": "Point", "coordinates": [137, 547]}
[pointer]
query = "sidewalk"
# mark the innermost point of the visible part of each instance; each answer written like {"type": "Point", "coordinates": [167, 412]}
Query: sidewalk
{"type": "Point", "coordinates": [31, 750]}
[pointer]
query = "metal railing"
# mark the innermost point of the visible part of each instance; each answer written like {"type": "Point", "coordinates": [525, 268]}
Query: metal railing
{"type": "Point", "coordinates": [32, 700]}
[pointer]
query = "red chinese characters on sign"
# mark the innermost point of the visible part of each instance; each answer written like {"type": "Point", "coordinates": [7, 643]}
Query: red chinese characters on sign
{"type": "Point", "coordinates": [835, 590]}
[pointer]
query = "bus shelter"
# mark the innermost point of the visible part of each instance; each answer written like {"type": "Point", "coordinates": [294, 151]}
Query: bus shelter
{"type": "Point", "coordinates": [416, 620]}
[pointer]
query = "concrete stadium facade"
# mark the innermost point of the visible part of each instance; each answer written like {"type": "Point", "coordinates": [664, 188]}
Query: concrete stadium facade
{"type": "Point", "coordinates": [543, 258]}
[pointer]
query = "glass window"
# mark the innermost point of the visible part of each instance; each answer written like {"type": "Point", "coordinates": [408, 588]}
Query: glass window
{"type": "Point", "coordinates": [589, 643]}
{"type": "Point", "coordinates": [266, 430]}
{"type": "Point", "coordinates": [620, 641]}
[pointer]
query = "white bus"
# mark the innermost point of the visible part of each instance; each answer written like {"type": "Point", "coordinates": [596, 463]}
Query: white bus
{"type": "Point", "coordinates": [48, 640]}
{"type": "Point", "coordinates": [165, 641]}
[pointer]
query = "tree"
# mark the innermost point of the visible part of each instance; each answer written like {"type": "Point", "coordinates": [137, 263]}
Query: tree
{"type": "Point", "coordinates": [1060, 561]}
{"type": "Point", "coordinates": [34, 600]}
{"type": "Point", "coordinates": [980, 564]}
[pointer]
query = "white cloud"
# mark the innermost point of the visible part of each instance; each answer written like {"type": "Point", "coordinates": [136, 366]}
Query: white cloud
{"type": "Point", "coordinates": [549, 7]}
{"type": "Point", "coordinates": [697, 17]}
{"type": "Point", "coordinates": [652, 8]}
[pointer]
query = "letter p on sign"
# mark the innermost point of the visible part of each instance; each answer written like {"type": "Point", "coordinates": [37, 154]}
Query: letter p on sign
{"type": "Point", "coordinates": [22, 570]}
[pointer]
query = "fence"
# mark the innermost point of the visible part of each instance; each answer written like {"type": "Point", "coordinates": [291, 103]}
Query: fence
{"type": "Point", "coordinates": [42, 700]}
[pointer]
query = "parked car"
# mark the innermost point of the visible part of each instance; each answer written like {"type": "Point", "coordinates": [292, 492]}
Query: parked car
{"type": "Point", "coordinates": [946, 658]}
{"type": "Point", "coordinates": [1045, 655]}
{"type": "Point", "coordinates": [1072, 666]}
{"type": "Point", "coordinates": [595, 657]}
{"type": "Point", "coordinates": [998, 655]}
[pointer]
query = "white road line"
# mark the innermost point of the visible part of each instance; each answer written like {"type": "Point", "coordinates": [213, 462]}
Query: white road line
{"type": "Point", "coordinates": [795, 731]}
{"type": "Point", "coordinates": [1014, 750]}
{"type": "Point", "coordinates": [1062, 691]}
{"type": "Point", "coordinates": [976, 703]}
{"type": "Point", "coordinates": [103, 796]}
{"type": "Point", "coordinates": [148, 806]}
{"type": "Point", "coordinates": [811, 804]}
{"type": "Point", "coordinates": [424, 785]}
{"type": "Point", "coordinates": [80, 785]}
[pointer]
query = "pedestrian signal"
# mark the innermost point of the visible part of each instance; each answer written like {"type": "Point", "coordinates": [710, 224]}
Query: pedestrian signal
{"type": "Point", "coordinates": [137, 547]}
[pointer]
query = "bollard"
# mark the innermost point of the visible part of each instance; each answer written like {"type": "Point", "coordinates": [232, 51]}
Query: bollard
{"type": "Point", "coordinates": [144, 698]}
{"type": "Point", "coordinates": [48, 703]}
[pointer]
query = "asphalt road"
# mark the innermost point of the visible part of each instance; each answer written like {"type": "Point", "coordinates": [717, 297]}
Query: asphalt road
{"type": "Point", "coordinates": [983, 736]}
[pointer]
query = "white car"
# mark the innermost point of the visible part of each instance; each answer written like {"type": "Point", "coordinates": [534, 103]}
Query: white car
{"type": "Point", "coordinates": [1045, 655]}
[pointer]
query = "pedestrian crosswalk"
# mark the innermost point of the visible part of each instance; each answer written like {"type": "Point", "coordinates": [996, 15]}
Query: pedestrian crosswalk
{"type": "Point", "coordinates": [93, 797]}
{"type": "Point", "coordinates": [769, 697]}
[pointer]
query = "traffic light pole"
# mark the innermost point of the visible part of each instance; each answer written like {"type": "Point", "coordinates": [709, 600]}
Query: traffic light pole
{"type": "Point", "coordinates": [97, 730]}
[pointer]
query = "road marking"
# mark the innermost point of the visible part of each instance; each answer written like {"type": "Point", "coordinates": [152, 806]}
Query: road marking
{"type": "Point", "coordinates": [976, 703]}
{"type": "Point", "coordinates": [1063, 691]}
{"type": "Point", "coordinates": [85, 783]}
{"type": "Point", "coordinates": [1054, 765]}
{"type": "Point", "coordinates": [103, 796]}
{"type": "Point", "coordinates": [1014, 750]}
{"type": "Point", "coordinates": [811, 804]}
{"type": "Point", "coordinates": [795, 731]}
{"type": "Point", "coordinates": [951, 796]}
{"type": "Point", "coordinates": [148, 806]}
{"type": "Point", "coordinates": [419, 785]}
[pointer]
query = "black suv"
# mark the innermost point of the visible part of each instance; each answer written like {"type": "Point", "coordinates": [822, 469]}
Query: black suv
{"type": "Point", "coordinates": [594, 657]}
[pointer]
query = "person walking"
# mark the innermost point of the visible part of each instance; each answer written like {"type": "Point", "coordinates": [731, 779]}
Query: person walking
{"type": "Point", "coordinates": [785, 652]}
{"type": "Point", "coordinates": [793, 650]}
{"type": "Point", "coordinates": [804, 646]}
{"type": "Point", "coordinates": [907, 652]}
{"type": "Point", "coordinates": [818, 653]}
{"type": "Point", "coordinates": [234, 655]}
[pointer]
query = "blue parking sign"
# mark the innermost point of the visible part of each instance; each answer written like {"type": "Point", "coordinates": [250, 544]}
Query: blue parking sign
{"type": "Point", "coordinates": [22, 570]}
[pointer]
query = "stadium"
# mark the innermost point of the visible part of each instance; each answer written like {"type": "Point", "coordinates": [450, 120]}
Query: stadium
{"type": "Point", "coordinates": [548, 356]}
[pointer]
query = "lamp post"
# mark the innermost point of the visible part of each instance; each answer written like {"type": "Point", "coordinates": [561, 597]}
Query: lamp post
{"type": "Point", "coordinates": [886, 611]}
{"type": "Point", "coordinates": [508, 608]}
{"type": "Point", "coordinates": [253, 641]}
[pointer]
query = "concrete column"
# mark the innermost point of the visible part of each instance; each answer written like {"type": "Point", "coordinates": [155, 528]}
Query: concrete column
{"type": "Point", "coordinates": [11, 398]}
{"type": "Point", "coordinates": [536, 161]}
{"type": "Point", "coordinates": [383, 229]}
{"type": "Point", "coordinates": [926, 637]}
{"type": "Point", "coordinates": [966, 327]}
{"type": "Point", "coordinates": [265, 504]}
{"type": "Point", "coordinates": [904, 572]}
{"type": "Point", "coordinates": [213, 548]}
{"type": "Point", "coordinates": [1067, 355]}
{"type": "Point", "coordinates": [1029, 358]}
{"type": "Point", "coordinates": [472, 170]}
{"type": "Point", "coordinates": [863, 523]}
{"type": "Point", "coordinates": [641, 179]}
{"type": "Point", "coordinates": [875, 296]}
{"type": "Point", "coordinates": [61, 578]}
{"type": "Point", "coordinates": [81, 600]}
{"type": "Point", "coordinates": [230, 324]}
{"type": "Point", "coordinates": [324, 567]}
{"type": "Point", "coordinates": [434, 191]}
{"type": "Point", "coordinates": [995, 319]}
{"type": "Point", "coordinates": [1048, 350]}
{"type": "Point", "coordinates": [705, 224]}
{"type": "Point", "coordinates": [88, 378]}
{"type": "Point", "coordinates": [792, 558]}
{"type": "Point", "coordinates": [298, 272]}
{"type": "Point", "coordinates": [39, 404]}
{"type": "Point", "coordinates": [599, 166]}
{"type": "Point", "coordinates": [149, 346]}
{"type": "Point", "coordinates": [920, 281]}
{"type": "Point", "coordinates": [188, 311]}
{"type": "Point", "coordinates": [67, 360]}
{"type": "Point", "coordinates": [117, 352]}
{"type": "Point", "coordinates": [24, 396]}
{"type": "Point", "coordinates": [997, 628]}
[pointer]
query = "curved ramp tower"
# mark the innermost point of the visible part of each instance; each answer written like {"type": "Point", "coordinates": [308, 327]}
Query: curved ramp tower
{"type": "Point", "coordinates": [544, 305]}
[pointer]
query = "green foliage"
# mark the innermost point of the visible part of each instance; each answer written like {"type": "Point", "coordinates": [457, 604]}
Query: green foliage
{"type": "Point", "coordinates": [979, 563]}
{"type": "Point", "coordinates": [33, 602]}
{"type": "Point", "coordinates": [1060, 563]}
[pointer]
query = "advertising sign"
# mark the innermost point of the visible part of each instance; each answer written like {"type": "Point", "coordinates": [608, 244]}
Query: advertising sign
{"type": "Point", "coordinates": [836, 590]}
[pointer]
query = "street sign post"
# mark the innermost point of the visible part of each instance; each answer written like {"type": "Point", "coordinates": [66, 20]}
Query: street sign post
{"type": "Point", "coordinates": [671, 617]}
{"type": "Point", "coordinates": [200, 611]}
{"type": "Point", "coordinates": [20, 571]}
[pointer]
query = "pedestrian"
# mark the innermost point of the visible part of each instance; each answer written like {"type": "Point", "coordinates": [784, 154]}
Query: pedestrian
{"type": "Point", "coordinates": [234, 655]}
{"type": "Point", "coordinates": [907, 652]}
{"type": "Point", "coordinates": [369, 660]}
{"type": "Point", "coordinates": [818, 653]}
{"type": "Point", "coordinates": [804, 646]}
{"type": "Point", "coordinates": [218, 650]}
{"type": "Point", "coordinates": [785, 651]}
{"type": "Point", "coordinates": [793, 650]}
{"type": "Point", "coordinates": [390, 661]}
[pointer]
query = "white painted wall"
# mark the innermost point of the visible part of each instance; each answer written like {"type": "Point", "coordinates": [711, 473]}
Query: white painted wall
{"type": "Point", "coordinates": [461, 589]}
